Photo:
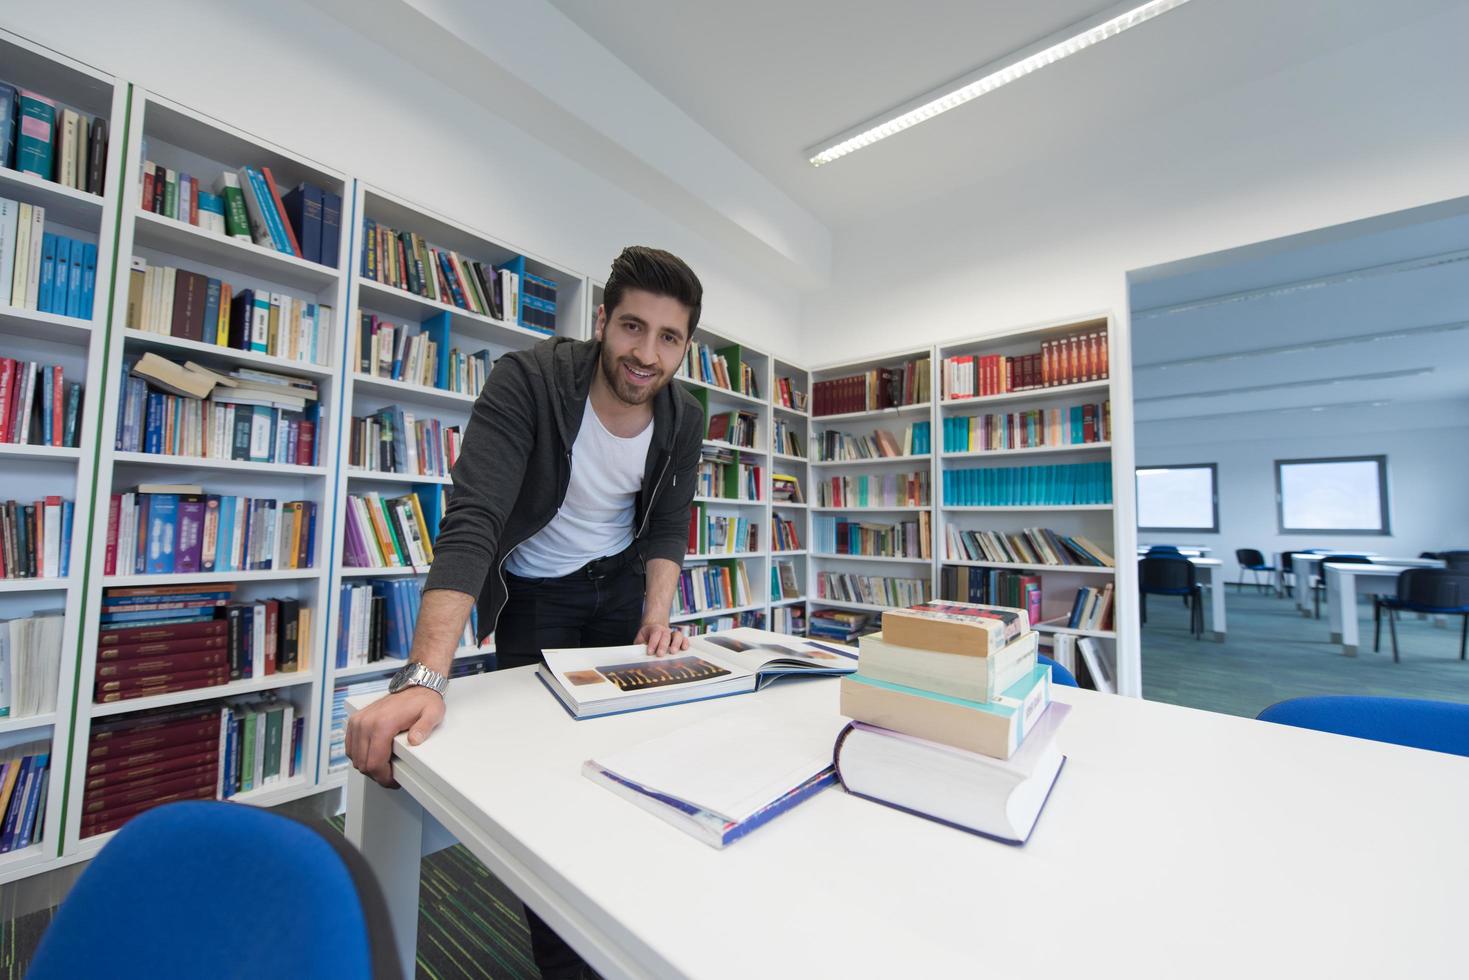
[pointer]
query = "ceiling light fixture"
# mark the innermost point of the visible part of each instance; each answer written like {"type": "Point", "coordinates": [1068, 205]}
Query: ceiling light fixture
{"type": "Point", "coordinates": [1062, 44]}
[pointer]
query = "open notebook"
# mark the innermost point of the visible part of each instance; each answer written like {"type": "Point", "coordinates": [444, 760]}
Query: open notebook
{"type": "Point", "coordinates": [594, 681]}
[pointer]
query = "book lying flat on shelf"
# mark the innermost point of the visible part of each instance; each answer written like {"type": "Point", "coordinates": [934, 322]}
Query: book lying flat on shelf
{"type": "Point", "coordinates": [595, 681]}
{"type": "Point", "coordinates": [723, 777]}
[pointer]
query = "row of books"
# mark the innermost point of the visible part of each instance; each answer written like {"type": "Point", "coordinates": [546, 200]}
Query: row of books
{"type": "Point", "coordinates": [337, 738]}
{"type": "Point", "coordinates": [392, 440]}
{"type": "Point", "coordinates": [30, 664]}
{"type": "Point", "coordinates": [1079, 425]}
{"type": "Point", "coordinates": [712, 587]}
{"type": "Point", "coordinates": [735, 428]}
{"type": "Point", "coordinates": [378, 620]}
{"type": "Point", "coordinates": [1092, 609]}
{"type": "Point", "coordinates": [1069, 360]}
{"type": "Point", "coordinates": [174, 302]}
{"type": "Point", "coordinates": [166, 529]}
{"type": "Point", "coordinates": [1019, 590]}
{"type": "Point", "coordinates": [718, 624]}
{"type": "Point", "coordinates": [790, 620]}
{"type": "Point", "coordinates": [784, 582]}
{"type": "Point", "coordinates": [786, 489]}
{"type": "Point", "coordinates": [905, 539]}
{"type": "Point", "coordinates": [158, 639]}
{"type": "Point", "coordinates": [785, 438]}
{"type": "Point", "coordinates": [1029, 486]}
{"type": "Point", "coordinates": [714, 534]}
{"type": "Point", "coordinates": [35, 538]}
{"type": "Point", "coordinates": [40, 136]}
{"type": "Point", "coordinates": [951, 719]}
{"type": "Point", "coordinates": [42, 270]}
{"type": "Point", "coordinates": [248, 205]}
{"type": "Point", "coordinates": [841, 447]}
{"type": "Point", "coordinates": [874, 490]}
{"type": "Point", "coordinates": [788, 395]}
{"type": "Point", "coordinates": [25, 778]}
{"type": "Point", "coordinates": [1030, 546]}
{"type": "Point", "coordinates": [38, 407]}
{"type": "Point", "coordinates": [872, 590]}
{"type": "Point", "coordinates": [264, 744]}
{"type": "Point", "coordinates": [721, 474]}
{"type": "Point", "coordinates": [841, 625]}
{"type": "Point", "coordinates": [249, 420]}
{"type": "Point", "coordinates": [784, 535]}
{"type": "Point", "coordinates": [419, 353]}
{"type": "Point", "coordinates": [723, 367]}
{"type": "Point", "coordinates": [387, 532]}
{"type": "Point", "coordinates": [879, 388]}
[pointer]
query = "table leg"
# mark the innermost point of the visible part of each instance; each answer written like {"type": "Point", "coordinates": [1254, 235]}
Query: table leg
{"type": "Point", "coordinates": [386, 825]}
{"type": "Point", "coordinates": [1216, 602]}
{"type": "Point", "coordinates": [1303, 586]}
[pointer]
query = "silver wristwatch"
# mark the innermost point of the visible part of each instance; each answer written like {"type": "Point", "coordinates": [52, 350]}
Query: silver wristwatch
{"type": "Point", "coordinates": [417, 675]}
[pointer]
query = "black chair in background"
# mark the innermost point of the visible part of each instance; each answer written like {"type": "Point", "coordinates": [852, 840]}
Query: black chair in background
{"type": "Point", "coordinates": [1457, 559]}
{"type": "Point", "coordinates": [1435, 591]}
{"type": "Point", "coordinates": [1288, 571]}
{"type": "Point", "coordinates": [1162, 575]}
{"type": "Point", "coordinates": [1251, 561]}
{"type": "Point", "coordinates": [1318, 580]}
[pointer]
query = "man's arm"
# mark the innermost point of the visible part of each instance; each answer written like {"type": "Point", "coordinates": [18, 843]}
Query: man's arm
{"type": "Point", "coordinates": [662, 577]}
{"type": "Point", "coordinates": [668, 537]}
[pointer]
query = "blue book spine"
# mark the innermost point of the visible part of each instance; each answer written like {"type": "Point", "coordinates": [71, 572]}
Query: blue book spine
{"type": "Point", "coordinates": [45, 299]}
{"type": "Point", "coordinates": [46, 401]}
{"type": "Point", "coordinates": [33, 801]}
{"type": "Point", "coordinates": [211, 309]}
{"type": "Point", "coordinates": [75, 269]}
{"type": "Point", "coordinates": [89, 280]}
{"type": "Point", "coordinates": [9, 100]}
{"type": "Point", "coordinates": [222, 551]}
{"type": "Point", "coordinates": [303, 210]}
{"type": "Point", "coordinates": [68, 515]}
{"type": "Point", "coordinates": [436, 328]}
{"type": "Point", "coordinates": [226, 765]}
{"type": "Point", "coordinates": [12, 812]}
{"type": "Point", "coordinates": [331, 229]}
{"type": "Point", "coordinates": [278, 234]}
{"type": "Point", "coordinates": [162, 532]}
{"type": "Point", "coordinates": [35, 136]}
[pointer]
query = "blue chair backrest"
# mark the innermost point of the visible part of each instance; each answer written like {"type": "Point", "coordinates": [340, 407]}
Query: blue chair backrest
{"type": "Point", "coordinates": [1059, 675]}
{"type": "Point", "coordinates": [1440, 726]}
{"type": "Point", "coordinates": [1167, 574]}
{"type": "Point", "coordinates": [205, 889]}
{"type": "Point", "coordinates": [1158, 549]}
{"type": "Point", "coordinates": [1434, 589]}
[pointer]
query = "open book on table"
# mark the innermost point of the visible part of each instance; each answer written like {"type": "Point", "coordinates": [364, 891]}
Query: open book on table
{"type": "Point", "coordinates": [594, 681]}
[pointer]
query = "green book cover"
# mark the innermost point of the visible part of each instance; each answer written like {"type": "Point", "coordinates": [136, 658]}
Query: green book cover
{"type": "Point", "coordinates": [236, 219]}
{"type": "Point", "coordinates": [171, 194]}
{"type": "Point", "coordinates": [273, 720]}
{"type": "Point", "coordinates": [247, 752]}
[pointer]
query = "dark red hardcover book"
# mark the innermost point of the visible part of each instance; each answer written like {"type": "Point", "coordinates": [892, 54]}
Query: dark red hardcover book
{"type": "Point", "coordinates": [161, 756]}
{"type": "Point", "coordinates": [145, 789]}
{"type": "Point", "coordinates": [169, 685]}
{"type": "Point", "coordinates": [162, 648]}
{"type": "Point", "coordinates": [168, 769]}
{"type": "Point", "coordinates": [153, 740]}
{"type": "Point", "coordinates": [110, 819]}
{"type": "Point", "coordinates": [151, 634]}
{"type": "Point", "coordinates": [168, 664]}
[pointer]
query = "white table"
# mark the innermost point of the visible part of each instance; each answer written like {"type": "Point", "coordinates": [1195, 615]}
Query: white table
{"type": "Point", "coordinates": [1281, 571]}
{"type": "Point", "coordinates": [1303, 566]}
{"type": "Point", "coordinates": [1211, 577]}
{"type": "Point", "coordinates": [1175, 843]}
{"type": "Point", "coordinates": [1346, 581]}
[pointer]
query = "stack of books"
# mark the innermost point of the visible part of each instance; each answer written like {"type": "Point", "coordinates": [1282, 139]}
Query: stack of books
{"type": "Point", "coordinates": [35, 538]}
{"type": "Point", "coordinates": [43, 270]}
{"type": "Point", "coordinates": [952, 719]}
{"type": "Point", "coordinates": [38, 406]}
{"type": "Point", "coordinates": [39, 135]}
{"type": "Point", "coordinates": [167, 529]}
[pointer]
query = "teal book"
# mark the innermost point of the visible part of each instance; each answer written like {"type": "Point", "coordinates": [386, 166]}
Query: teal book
{"type": "Point", "coordinates": [36, 135]}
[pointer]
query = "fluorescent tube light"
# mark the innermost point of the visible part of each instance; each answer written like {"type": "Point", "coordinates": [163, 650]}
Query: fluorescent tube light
{"type": "Point", "coordinates": [1047, 52]}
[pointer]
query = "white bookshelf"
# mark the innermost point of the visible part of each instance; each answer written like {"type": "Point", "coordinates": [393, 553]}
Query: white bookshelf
{"type": "Point", "coordinates": [173, 135]}
{"type": "Point", "coordinates": [78, 344]}
{"type": "Point", "coordinates": [799, 466]}
{"type": "Point", "coordinates": [365, 394]}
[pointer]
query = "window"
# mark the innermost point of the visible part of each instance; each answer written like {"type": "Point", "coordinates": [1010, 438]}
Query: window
{"type": "Point", "coordinates": [1341, 495]}
{"type": "Point", "coordinates": [1178, 498]}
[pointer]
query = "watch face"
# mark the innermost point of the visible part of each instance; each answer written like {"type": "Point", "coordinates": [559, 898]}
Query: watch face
{"type": "Point", "coordinates": [400, 679]}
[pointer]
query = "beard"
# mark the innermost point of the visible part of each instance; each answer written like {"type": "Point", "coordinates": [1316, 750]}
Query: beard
{"type": "Point", "coordinates": [624, 389]}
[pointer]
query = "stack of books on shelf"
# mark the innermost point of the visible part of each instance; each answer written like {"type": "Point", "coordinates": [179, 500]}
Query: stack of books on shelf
{"type": "Point", "coordinates": [887, 387]}
{"type": "Point", "coordinates": [264, 744]}
{"type": "Point", "coordinates": [30, 664]}
{"type": "Point", "coordinates": [337, 745]}
{"type": "Point", "coordinates": [166, 529]}
{"type": "Point", "coordinates": [873, 590]}
{"type": "Point", "coordinates": [38, 406]}
{"type": "Point", "coordinates": [378, 620]}
{"type": "Point", "coordinates": [36, 538]}
{"type": "Point", "coordinates": [842, 447]}
{"type": "Point", "coordinates": [790, 620]}
{"type": "Point", "coordinates": [721, 474]}
{"type": "Point", "coordinates": [786, 438]}
{"type": "Point", "coordinates": [248, 205]}
{"type": "Point", "coordinates": [786, 489]}
{"type": "Point", "coordinates": [784, 583]}
{"type": "Point", "coordinates": [711, 588]}
{"type": "Point", "coordinates": [735, 428]}
{"type": "Point", "coordinates": [874, 490]}
{"type": "Point", "coordinates": [1070, 360]}
{"type": "Point", "coordinates": [25, 778]}
{"type": "Point", "coordinates": [188, 410]}
{"type": "Point", "coordinates": [840, 625]}
{"type": "Point", "coordinates": [789, 396]}
{"type": "Point", "coordinates": [784, 536]}
{"type": "Point", "coordinates": [158, 639]}
{"type": "Point", "coordinates": [393, 440]}
{"type": "Point", "coordinates": [1079, 425]}
{"type": "Point", "coordinates": [952, 719]}
{"type": "Point", "coordinates": [419, 353]}
{"type": "Point", "coordinates": [389, 532]}
{"type": "Point", "coordinates": [1030, 546]}
{"type": "Point", "coordinates": [188, 305]}
{"type": "Point", "coordinates": [1029, 486]}
{"type": "Point", "coordinates": [712, 534]}
{"type": "Point", "coordinates": [41, 270]}
{"type": "Point", "coordinates": [1092, 609]}
{"type": "Point", "coordinates": [723, 367]}
{"type": "Point", "coordinates": [984, 586]}
{"type": "Point", "coordinates": [905, 539]}
{"type": "Point", "coordinates": [55, 142]}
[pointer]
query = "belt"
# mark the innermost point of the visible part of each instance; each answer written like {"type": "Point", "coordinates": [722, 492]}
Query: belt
{"type": "Point", "coordinates": [609, 565]}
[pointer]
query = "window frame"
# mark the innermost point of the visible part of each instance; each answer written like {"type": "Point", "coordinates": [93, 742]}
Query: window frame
{"type": "Point", "coordinates": [1383, 502]}
{"type": "Point", "coordinates": [1213, 469]}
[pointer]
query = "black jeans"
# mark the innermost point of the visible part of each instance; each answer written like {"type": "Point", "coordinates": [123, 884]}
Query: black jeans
{"type": "Point", "coordinates": [598, 605]}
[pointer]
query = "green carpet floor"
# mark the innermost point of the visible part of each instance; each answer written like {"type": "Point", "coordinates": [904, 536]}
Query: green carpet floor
{"type": "Point", "coordinates": [1271, 653]}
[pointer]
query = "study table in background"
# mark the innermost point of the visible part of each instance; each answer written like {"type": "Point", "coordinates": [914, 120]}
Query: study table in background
{"type": "Point", "coordinates": [1344, 582]}
{"type": "Point", "coordinates": [1175, 843]}
{"type": "Point", "coordinates": [1303, 565]}
{"type": "Point", "coordinates": [1211, 576]}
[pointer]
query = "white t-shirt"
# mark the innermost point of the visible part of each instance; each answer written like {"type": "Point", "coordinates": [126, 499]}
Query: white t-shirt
{"type": "Point", "coordinates": [596, 517]}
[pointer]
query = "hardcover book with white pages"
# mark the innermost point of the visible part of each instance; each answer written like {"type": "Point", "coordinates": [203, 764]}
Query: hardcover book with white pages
{"type": "Point", "coordinates": [594, 681]}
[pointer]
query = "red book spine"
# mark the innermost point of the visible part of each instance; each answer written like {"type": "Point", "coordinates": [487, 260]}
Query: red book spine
{"type": "Point", "coordinates": [110, 820]}
{"type": "Point", "coordinates": [114, 793]}
{"type": "Point", "coordinates": [58, 415]}
{"type": "Point", "coordinates": [165, 684]}
{"type": "Point", "coordinates": [152, 773]}
{"type": "Point", "coordinates": [1103, 365]}
{"type": "Point", "coordinates": [280, 209]}
{"type": "Point", "coordinates": [144, 634]}
{"type": "Point", "coordinates": [172, 756]}
{"type": "Point", "coordinates": [128, 744]}
{"type": "Point", "coordinates": [272, 626]}
{"type": "Point", "coordinates": [162, 648]}
{"type": "Point", "coordinates": [167, 664]}
{"type": "Point", "coordinates": [138, 798]}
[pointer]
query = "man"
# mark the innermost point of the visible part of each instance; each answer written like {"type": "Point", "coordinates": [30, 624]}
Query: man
{"type": "Point", "coordinates": [569, 517]}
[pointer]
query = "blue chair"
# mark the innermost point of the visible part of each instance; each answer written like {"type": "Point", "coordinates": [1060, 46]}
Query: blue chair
{"type": "Point", "coordinates": [1435, 591]}
{"type": "Point", "coordinates": [1252, 561]}
{"type": "Point", "coordinates": [1059, 675]}
{"type": "Point", "coordinates": [1163, 549]}
{"type": "Point", "coordinates": [1171, 575]}
{"type": "Point", "coordinates": [1439, 726]}
{"type": "Point", "coordinates": [206, 889]}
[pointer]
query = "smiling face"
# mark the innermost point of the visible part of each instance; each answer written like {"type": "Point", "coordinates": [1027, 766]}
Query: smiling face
{"type": "Point", "coordinates": [643, 342]}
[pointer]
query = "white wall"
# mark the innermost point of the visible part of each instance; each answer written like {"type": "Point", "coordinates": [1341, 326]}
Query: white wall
{"type": "Point", "coordinates": [291, 74]}
{"type": "Point", "coordinates": [1427, 449]}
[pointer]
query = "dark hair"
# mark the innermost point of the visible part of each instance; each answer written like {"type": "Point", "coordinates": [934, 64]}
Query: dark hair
{"type": "Point", "coordinates": [658, 272]}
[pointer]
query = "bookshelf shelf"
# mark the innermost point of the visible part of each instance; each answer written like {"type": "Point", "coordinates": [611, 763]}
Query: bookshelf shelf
{"type": "Point", "coordinates": [392, 572]}
{"type": "Point", "coordinates": [204, 578]}
{"type": "Point", "coordinates": [178, 347]}
{"type": "Point", "coordinates": [789, 505]}
{"type": "Point", "coordinates": [65, 205]}
{"type": "Point", "coordinates": [792, 601]}
{"type": "Point", "coordinates": [1029, 394]}
{"type": "Point", "coordinates": [16, 450]}
{"type": "Point", "coordinates": [787, 410]}
{"type": "Point", "coordinates": [173, 237]}
{"type": "Point", "coordinates": [748, 450]}
{"type": "Point", "coordinates": [253, 685]}
{"type": "Point", "coordinates": [841, 604]}
{"type": "Point", "coordinates": [8, 724]}
{"type": "Point", "coordinates": [877, 461]}
{"type": "Point", "coordinates": [716, 556]}
{"type": "Point", "coordinates": [374, 476]}
{"type": "Point", "coordinates": [712, 613]}
{"type": "Point", "coordinates": [1053, 628]}
{"type": "Point", "coordinates": [34, 585]}
{"type": "Point", "coordinates": [789, 458]}
{"type": "Point", "coordinates": [224, 465]}
{"type": "Point", "coordinates": [1032, 508]}
{"type": "Point", "coordinates": [718, 390]}
{"type": "Point", "coordinates": [50, 327]}
{"type": "Point", "coordinates": [419, 394]}
{"type": "Point", "coordinates": [1030, 451]}
{"type": "Point", "coordinates": [876, 558]}
{"type": "Point", "coordinates": [902, 508]}
{"type": "Point", "coordinates": [729, 501]}
{"type": "Point", "coordinates": [394, 302]}
{"type": "Point", "coordinates": [793, 553]}
{"type": "Point", "coordinates": [902, 411]}
{"type": "Point", "coordinates": [28, 860]}
{"type": "Point", "coordinates": [1023, 567]}
{"type": "Point", "coordinates": [361, 670]}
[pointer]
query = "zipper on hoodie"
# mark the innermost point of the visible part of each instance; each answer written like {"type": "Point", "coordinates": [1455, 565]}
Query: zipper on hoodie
{"type": "Point", "coordinates": [500, 570]}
